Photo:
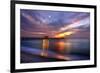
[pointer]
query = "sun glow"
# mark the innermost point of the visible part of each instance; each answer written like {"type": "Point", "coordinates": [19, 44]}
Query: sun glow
{"type": "Point", "coordinates": [61, 35]}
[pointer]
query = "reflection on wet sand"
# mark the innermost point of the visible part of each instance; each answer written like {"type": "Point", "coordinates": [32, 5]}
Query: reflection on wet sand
{"type": "Point", "coordinates": [45, 46]}
{"type": "Point", "coordinates": [60, 46]}
{"type": "Point", "coordinates": [62, 57]}
{"type": "Point", "coordinates": [47, 50]}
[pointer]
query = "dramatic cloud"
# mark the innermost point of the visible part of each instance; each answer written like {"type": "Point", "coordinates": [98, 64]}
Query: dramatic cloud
{"type": "Point", "coordinates": [40, 23]}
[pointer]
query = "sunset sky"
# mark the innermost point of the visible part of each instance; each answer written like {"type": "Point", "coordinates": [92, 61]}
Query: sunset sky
{"type": "Point", "coordinates": [40, 23]}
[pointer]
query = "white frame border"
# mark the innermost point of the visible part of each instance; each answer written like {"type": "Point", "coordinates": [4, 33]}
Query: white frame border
{"type": "Point", "coordinates": [51, 64]}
